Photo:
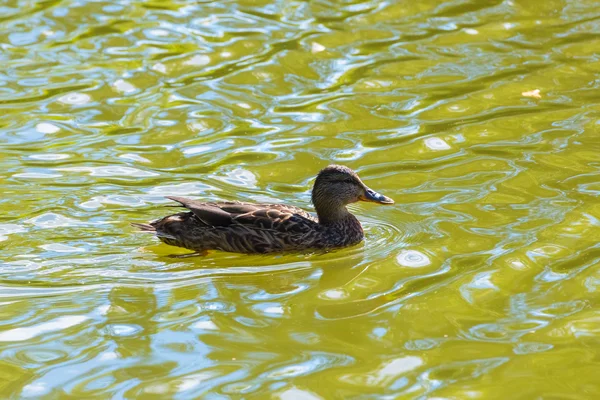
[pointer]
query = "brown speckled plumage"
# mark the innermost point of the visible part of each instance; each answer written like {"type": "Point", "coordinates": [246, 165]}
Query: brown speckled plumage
{"type": "Point", "coordinates": [266, 228]}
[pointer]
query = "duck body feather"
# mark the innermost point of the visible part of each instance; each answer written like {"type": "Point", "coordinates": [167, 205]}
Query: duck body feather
{"type": "Point", "coordinates": [251, 228]}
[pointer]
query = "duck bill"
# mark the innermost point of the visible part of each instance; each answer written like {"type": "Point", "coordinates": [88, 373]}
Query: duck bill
{"type": "Point", "coordinates": [374, 197]}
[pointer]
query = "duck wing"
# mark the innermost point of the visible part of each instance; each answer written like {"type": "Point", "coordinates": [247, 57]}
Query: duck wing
{"type": "Point", "coordinates": [261, 216]}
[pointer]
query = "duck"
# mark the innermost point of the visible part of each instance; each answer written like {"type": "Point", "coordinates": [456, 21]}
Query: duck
{"type": "Point", "coordinates": [250, 228]}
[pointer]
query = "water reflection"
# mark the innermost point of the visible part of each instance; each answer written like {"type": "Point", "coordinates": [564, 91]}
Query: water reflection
{"type": "Point", "coordinates": [479, 282]}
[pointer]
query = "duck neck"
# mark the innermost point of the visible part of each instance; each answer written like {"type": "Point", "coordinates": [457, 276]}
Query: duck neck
{"type": "Point", "coordinates": [332, 212]}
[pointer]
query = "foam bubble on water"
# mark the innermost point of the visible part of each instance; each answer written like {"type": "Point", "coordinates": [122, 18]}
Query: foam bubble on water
{"type": "Point", "coordinates": [75, 98]}
{"type": "Point", "coordinates": [198, 60]}
{"type": "Point", "coordinates": [450, 26]}
{"type": "Point", "coordinates": [457, 108]}
{"type": "Point", "coordinates": [532, 93]}
{"type": "Point", "coordinates": [470, 31]}
{"type": "Point", "coordinates": [316, 47]}
{"type": "Point", "coordinates": [49, 157]}
{"type": "Point", "coordinates": [413, 259]}
{"type": "Point", "coordinates": [159, 67]}
{"type": "Point", "coordinates": [518, 265]}
{"type": "Point", "coordinates": [124, 86]}
{"type": "Point", "coordinates": [134, 157]}
{"type": "Point", "coordinates": [207, 325]}
{"type": "Point", "coordinates": [108, 356]}
{"type": "Point", "coordinates": [159, 32]}
{"type": "Point", "coordinates": [274, 310]}
{"type": "Point", "coordinates": [263, 76]}
{"type": "Point", "coordinates": [46, 127]}
{"type": "Point", "coordinates": [60, 323]}
{"type": "Point", "coordinates": [334, 294]}
{"type": "Point", "coordinates": [435, 143]}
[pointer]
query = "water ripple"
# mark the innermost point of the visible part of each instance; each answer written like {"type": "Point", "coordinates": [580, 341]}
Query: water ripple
{"type": "Point", "coordinates": [478, 118]}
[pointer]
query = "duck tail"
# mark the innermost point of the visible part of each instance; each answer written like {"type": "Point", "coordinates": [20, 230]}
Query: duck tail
{"type": "Point", "coordinates": [148, 228]}
{"type": "Point", "coordinates": [144, 227]}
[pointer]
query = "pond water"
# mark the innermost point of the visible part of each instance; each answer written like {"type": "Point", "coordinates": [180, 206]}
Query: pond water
{"type": "Point", "coordinates": [480, 118]}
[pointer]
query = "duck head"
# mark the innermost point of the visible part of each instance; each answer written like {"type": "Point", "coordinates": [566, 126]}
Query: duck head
{"type": "Point", "coordinates": [335, 187]}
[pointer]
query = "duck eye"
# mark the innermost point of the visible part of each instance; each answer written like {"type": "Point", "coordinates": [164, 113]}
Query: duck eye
{"type": "Point", "coordinates": [348, 180]}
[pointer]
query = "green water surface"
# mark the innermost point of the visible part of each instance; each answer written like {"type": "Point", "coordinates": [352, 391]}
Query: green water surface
{"type": "Point", "coordinates": [480, 118]}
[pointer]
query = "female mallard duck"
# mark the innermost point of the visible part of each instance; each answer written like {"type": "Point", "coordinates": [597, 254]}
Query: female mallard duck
{"type": "Point", "coordinates": [266, 228]}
